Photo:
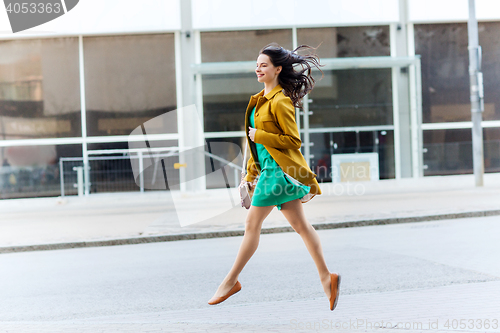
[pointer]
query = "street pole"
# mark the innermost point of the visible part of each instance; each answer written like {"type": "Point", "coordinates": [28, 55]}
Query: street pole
{"type": "Point", "coordinates": [476, 94]}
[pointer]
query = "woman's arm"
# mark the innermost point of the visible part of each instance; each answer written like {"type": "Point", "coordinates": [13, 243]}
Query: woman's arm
{"type": "Point", "coordinates": [285, 115]}
{"type": "Point", "coordinates": [251, 170]}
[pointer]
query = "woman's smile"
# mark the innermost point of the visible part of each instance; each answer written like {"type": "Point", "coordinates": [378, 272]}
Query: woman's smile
{"type": "Point", "coordinates": [266, 72]}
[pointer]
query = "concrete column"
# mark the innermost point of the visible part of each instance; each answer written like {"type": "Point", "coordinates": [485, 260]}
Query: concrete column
{"type": "Point", "coordinates": [399, 48]}
{"type": "Point", "coordinates": [190, 129]}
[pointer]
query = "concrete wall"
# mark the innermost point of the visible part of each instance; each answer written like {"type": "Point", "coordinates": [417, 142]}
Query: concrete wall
{"type": "Point", "coordinates": [106, 17]}
{"type": "Point", "coordinates": [127, 16]}
{"type": "Point", "coordinates": [223, 14]}
{"type": "Point", "coordinates": [451, 10]}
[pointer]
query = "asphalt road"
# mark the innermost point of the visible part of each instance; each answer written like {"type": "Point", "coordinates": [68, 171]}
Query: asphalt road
{"type": "Point", "coordinates": [153, 278]}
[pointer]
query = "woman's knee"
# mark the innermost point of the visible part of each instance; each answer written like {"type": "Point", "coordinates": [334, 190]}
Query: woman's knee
{"type": "Point", "coordinates": [300, 226]}
{"type": "Point", "coordinates": [252, 224]}
{"type": "Point", "coordinates": [256, 217]}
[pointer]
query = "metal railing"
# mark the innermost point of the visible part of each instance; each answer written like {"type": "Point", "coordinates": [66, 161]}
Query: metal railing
{"type": "Point", "coordinates": [114, 173]}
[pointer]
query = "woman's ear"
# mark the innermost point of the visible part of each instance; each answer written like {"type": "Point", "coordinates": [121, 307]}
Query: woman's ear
{"type": "Point", "coordinates": [278, 69]}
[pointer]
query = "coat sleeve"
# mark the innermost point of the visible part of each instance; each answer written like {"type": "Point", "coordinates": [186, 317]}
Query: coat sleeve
{"type": "Point", "coordinates": [251, 170]}
{"type": "Point", "coordinates": [285, 115]}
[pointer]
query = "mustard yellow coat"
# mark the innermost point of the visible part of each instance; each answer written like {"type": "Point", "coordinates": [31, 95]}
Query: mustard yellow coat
{"type": "Point", "coordinates": [278, 132]}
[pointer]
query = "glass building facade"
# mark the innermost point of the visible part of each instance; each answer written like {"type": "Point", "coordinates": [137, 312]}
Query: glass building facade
{"type": "Point", "coordinates": [128, 80]}
{"type": "Point", "coordinates": [446, 96]}
{"type": "Point", "coordinates": [61, 94]}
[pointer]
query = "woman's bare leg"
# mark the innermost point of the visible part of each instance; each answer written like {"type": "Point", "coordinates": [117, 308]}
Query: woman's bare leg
{"type": "Point", "coordinates": [294, 213]}
{"type": "Point", "coordinates": [253, 224]}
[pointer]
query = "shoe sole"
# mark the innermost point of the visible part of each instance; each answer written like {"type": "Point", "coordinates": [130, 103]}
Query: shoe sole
{"type": "Point", "coordinates": [337, 296]}
{"type": "Point", "coordinates": [229, 294]}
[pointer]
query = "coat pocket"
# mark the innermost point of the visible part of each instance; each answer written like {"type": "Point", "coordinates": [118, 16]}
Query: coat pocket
{"type": "Point", "coordinates": [268, 124]}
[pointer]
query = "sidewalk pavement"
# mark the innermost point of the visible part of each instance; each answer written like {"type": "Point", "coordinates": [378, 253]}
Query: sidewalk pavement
{"type": "Point", "coordinates": [132, 218]}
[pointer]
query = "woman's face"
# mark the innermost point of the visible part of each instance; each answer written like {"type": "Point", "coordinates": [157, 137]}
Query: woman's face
{"type": "Point", "coordinates": [265, 70]}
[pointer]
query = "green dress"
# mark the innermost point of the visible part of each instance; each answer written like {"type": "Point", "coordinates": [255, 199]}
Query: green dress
{"type": "Point", "coordinates": [273, 187]}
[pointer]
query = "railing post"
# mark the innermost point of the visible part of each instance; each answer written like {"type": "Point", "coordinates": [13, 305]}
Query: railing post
{"type": "Point", "coordinates": [61, 176]}
{"type": "Point", "coordinates": [141, 171]}
{"type": "Point", "coordinates": [79, 177]}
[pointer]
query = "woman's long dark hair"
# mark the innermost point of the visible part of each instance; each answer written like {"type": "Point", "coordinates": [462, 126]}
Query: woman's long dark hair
{"type": "Point", "coordinates": [296, 83]}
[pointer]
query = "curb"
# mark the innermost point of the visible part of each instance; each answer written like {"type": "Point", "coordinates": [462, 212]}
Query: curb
{"type": "Point", "coordinates": [232, 233]}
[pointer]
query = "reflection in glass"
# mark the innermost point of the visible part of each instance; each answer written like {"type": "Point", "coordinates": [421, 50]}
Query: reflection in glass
{"type": "Point", "coordinates": [225, 99]}
{"type": "Point", "coordinates": [449, 152]}
{"type": "Point", "coordinates": [233, 175]}
{"type": "Point", "coordinates": [114, 172]}
{"type": "Point", "coordinates": [445, 75]}
{"type": "Point", "coordinates": [128, 80]}
{"type": "Point", "coordinates": [327, 144]}
{"type": "Point", "coordinates": [341, 98]}
{"type": "Point", "coordinates": [359, 97]}
{"type": "Point", "coordinates": [344, 42]}
{"type": "Point", "coordinates": [33, 171]}
{"type": "Point", "coordinates": [218, 46]}
{"type": "Point", "coordinates": [39, 89]}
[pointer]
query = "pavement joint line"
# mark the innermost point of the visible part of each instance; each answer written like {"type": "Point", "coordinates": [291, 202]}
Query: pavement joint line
{"type": "Point", "coordinates": [233, 233]}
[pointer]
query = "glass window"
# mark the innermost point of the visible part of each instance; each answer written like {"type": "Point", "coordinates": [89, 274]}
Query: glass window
{"type": "Point", "coordinates": [114, 173]}
{"type": "Point", "coordinates": [445, 74]}
{"type": "Point", "coordinates": [128, 80]}
{"type": "Point", "coordinates": [327, 37]}
{"type": "Point", "coordinates": [492, 149]}
{"type": "Point", "coordinates": [225, 99]}
{"type": "Point", "coordinates": [360, 97]}
{"type": "Point", "coordinates": [228, 149]}
{"type": "Point", "coordinates": [33, 171]}
{"type": "Point", "coordinates": [489, 39]}
{"type": "Point", "coordinates": [347, 41]}
{"type": "Point", "coordinates": [327, 144]}
{"type": "Point", "coordinates": [221, 46]}
{"type": "Point", "coordinates": [450, 151]}
{"type": "Point", "coordinates": [39, 89]}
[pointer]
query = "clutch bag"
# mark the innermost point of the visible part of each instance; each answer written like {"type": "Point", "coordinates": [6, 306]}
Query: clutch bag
{"type": "Point", "coordinates": [246, 188]}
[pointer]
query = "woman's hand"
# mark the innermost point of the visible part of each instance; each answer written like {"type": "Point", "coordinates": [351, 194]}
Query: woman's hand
{"type": "Point", "coordinates": [251, 133]}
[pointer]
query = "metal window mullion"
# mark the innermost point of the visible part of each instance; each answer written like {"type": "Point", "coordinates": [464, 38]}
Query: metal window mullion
{"type": "Point", "coordinates": [61, 176]}
{"type": "Point", "coordinates": [131, 138]}
{"type": "Point", "coordinates": [199, 96]}
{"type": "Point", "coordinates": [141, 171]}
{"type": "Point", "coordinates": [418, 86]}
{"type": "Point", "coordinates": [180, 103]}
{"type": "Point", "coordinates": [307, 140]}
{"type": "Point", "coordinates": [415, 106]}
{"type": "Point", "coordinates": [232, 67]}
{"type": "Point", "coordinates": [83, 115]}
{"type": "Point", "coordinates": [178, 69]}
{"type": "Point", "coordinates": [294, 37]}
{"type": "Point", "coordinates": [199, 86]}
{"type": "Point", "coordinates": [352, 129]}
{"type": "Point", "coordinates": [395, 104]}
{"type": "Point", "coordinates": [297, 110]}
{"type": "Point", "coordinates": [460, 125]}
{"type": "Point", "coordinates": [40, 142]}
{"type": "Point", "coordinates": [415, 142]}
{"type": "Point", "coordinates": [396, 122]}
{"type": "Point", "coordinates": [410, 31]}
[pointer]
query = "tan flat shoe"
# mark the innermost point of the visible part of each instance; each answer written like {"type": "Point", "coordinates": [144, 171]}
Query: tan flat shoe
{"type": "Point", "coordinates": [234, 290]}
{"type": "Point", "coordinates": [335, 286]}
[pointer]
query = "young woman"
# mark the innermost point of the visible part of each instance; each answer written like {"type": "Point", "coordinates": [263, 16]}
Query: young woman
{"type": "Point", "coordinates": [285, 180]}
